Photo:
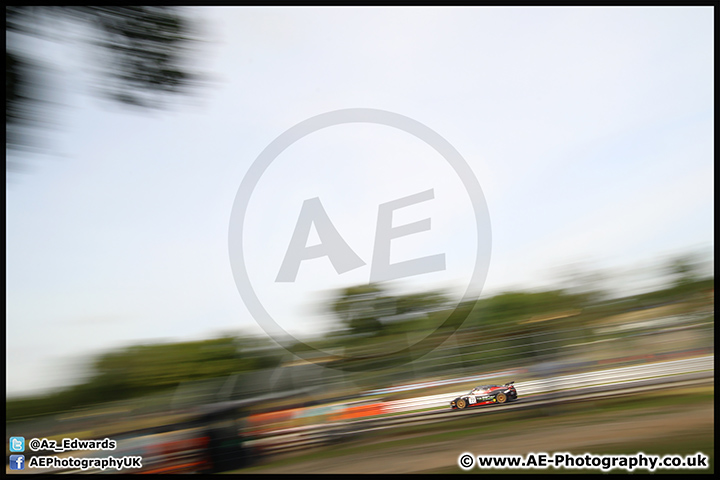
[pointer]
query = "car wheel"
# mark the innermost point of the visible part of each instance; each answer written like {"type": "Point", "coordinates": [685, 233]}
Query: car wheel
{"type": "Point", "coordinates": [461, 404]}
{"type": "Point", "coordinates": [501, 398]}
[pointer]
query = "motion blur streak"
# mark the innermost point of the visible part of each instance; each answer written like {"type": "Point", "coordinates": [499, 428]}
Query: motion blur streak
{"type": "Point", "coordinates": [588, 132]}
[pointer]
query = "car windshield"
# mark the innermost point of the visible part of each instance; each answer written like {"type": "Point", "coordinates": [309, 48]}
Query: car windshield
{"type": "Point", "coordinates": [480, 389]}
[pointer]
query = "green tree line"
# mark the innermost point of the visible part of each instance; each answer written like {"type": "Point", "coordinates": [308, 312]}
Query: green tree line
{"type": "Point", "coordinates": [371, 319]}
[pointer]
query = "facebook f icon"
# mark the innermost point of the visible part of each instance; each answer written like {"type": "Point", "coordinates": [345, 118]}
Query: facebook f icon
{"type": "Point", "coordinates": [17, 462]}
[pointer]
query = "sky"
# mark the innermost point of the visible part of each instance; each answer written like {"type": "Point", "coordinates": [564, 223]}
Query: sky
{"type": "Point", "coordinates": [588, 131]}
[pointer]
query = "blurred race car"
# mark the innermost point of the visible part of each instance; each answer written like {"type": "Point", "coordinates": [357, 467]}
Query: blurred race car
{"type": "Point", "coordinates": [486, 395]}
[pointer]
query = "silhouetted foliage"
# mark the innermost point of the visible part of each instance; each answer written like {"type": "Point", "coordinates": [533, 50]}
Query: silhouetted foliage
{"type": "Point", "coordinates": [144, 51]}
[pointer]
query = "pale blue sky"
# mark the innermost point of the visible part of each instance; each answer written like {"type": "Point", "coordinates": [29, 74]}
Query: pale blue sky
{"type": "Point", "coordinates": [590, 131]}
